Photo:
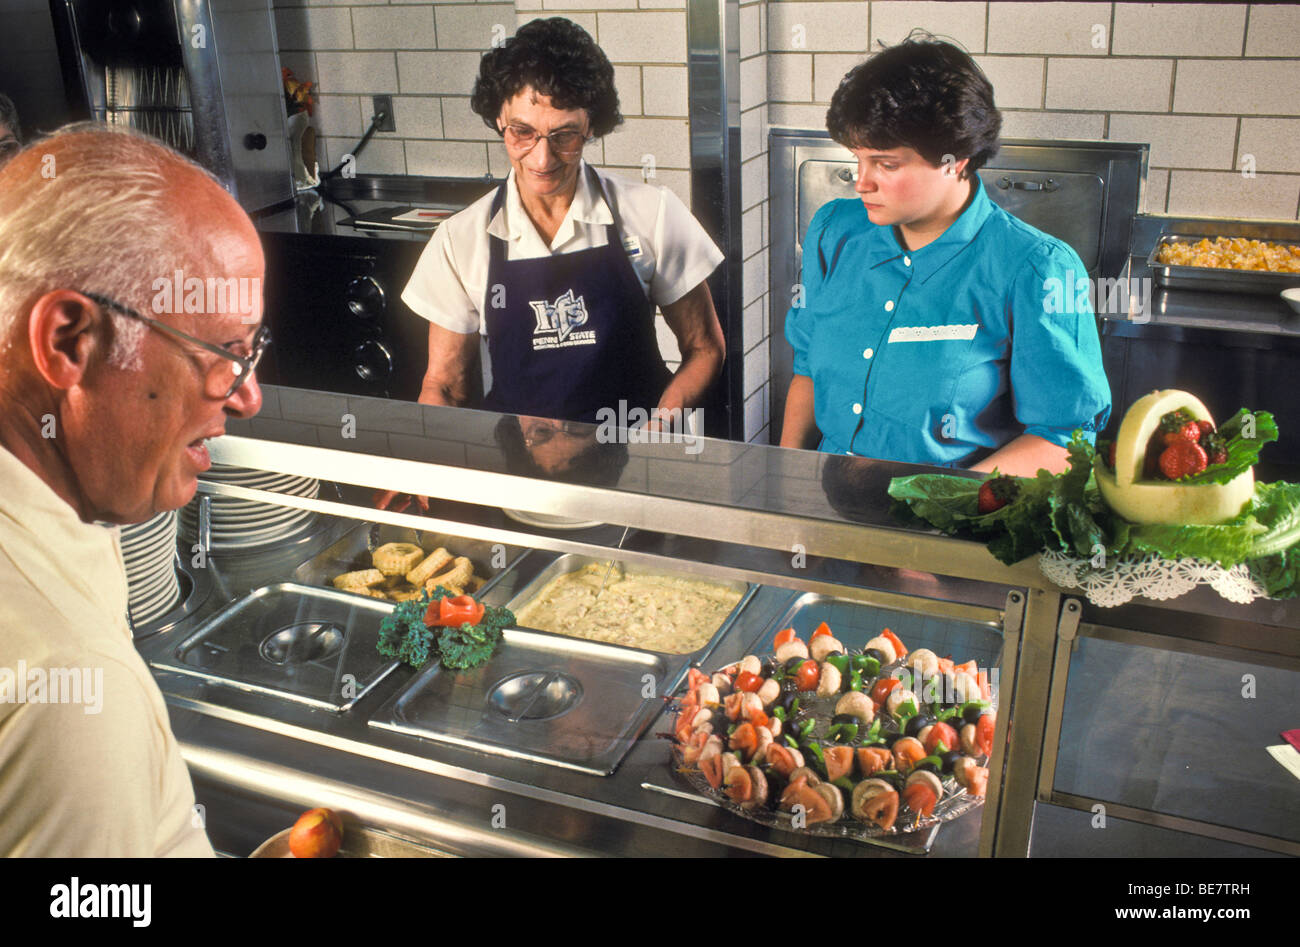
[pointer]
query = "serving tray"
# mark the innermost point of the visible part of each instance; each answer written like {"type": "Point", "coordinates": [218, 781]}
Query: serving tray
{"type": "Point", "coordinates": [542, 697]}
{"type": "Point", "coordinates": [572, 563]}
{"type": "Point", "coordinates": [310, 645]}
{"type": "Point", "coordinates": [1214, 279]}
{"type": "Point", "coordinates": [854, 624]}
{"type": "Point", "coordinates": [352, 552]}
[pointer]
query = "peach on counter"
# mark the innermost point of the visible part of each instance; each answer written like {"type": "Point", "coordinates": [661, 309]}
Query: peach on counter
{"type": "Point", "coordinates": [318, 833]}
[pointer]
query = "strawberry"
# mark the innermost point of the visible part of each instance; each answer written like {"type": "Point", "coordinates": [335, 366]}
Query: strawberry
{"type": "Point", "coordinates": [1182, 459]}
{"type": "Point", "coordinates": [1178, 426]}
{"type": "Point", "coordinates": [1207, 427]}
{"type": "Point", "coordinates": [1110, 455]}
{"type": "Point", "coordinates": [1215, 447]}
{"type": "Point", "coordinates": [1191, 431]}
{"type": "Point", "coordinates": [995, 493]}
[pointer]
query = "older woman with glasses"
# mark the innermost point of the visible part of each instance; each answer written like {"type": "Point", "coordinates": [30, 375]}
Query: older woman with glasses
{"type": "Point", "coordinates": [562, 267]}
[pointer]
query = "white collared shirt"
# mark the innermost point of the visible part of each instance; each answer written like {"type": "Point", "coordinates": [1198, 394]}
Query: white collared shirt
{"type": "Point", "coordinates": [108, 782]}
{"type": "Point", "coordinates": [669, 250]}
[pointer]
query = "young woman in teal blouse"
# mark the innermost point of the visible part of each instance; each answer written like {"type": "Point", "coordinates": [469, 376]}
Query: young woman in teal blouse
{"type": "Point", "coordinates": [929, 332]}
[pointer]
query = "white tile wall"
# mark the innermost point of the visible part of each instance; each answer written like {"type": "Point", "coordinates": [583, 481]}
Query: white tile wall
{"type": "Point", "coordinates": [1073, 29]}
{"type": "Point", "coordinates": [476, 26]}
{"type": "Point", "coordinates": [427, 55]}
{"type": "Point", "coordinates": [828, 70]}
{"type": "Point", "coordinates": [1077, 125]}
{"type": "Point", "coordinates": [1272, 141]}
{"type": "Point", "coordinates": [338, 116]}
{"type": "Point", "coordinates": [1242, 87]}
{"type": "Point", "coordinates": [753, 132]}
{"type": "Point", "coordinates": [584, 18]}
{"type": "Point", "coordinates": [769, 80]}
{"type": "Point", "coordinates": [789, 77]}
{"type": "Point", "coordinates": [643, 37]}
{"type": "Point", "coordinates": [300, 28]}
{"type": "Point", "coordinates": [1229, 194]}
{"type": "Point", "coordinates": [1135, 85]}
{"type": "Point", "coordinates": [450, 73]}
{"type": "Point", "coordinates": [1179, 141]}
{"type": "Point", "coordinates": [664, 90]}
{"type": "Point", "coordinates": [463, 123]}
{"type": "Point", "coordinates": [755, 368]}
{"type": "Point", "coordinates": [1273, 30]}
{"type": "Point", "coordinates": [809, 26]}
{"type": "Point", "coordinates": [362, 73]}
{"type": "Point", "coordinates": [1157, 191]}
{"type": "Point", "coordinates": [627, 80]}
{"type": "Point", "coordinates": [959, 22]}
{"type": "Point", "coordinates": [394, 28]}
{"type": "Point", "coordinates": [417, 116]}
{"type": "Point", "coordinates": [666, 141]}
{"type": "Point", "coordinates": [753, 81]}
{"type": "Point", "coordinates": [781, 115]}
{"type": "Point", "coordinates": [1017, 80]}
{"type": "Point", "coordinates": [1178, 29]}
{"type": "Point", "coordinates": [447, 158]}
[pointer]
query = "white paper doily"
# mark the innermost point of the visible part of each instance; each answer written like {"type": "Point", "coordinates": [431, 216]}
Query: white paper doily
{"type": "Point", "coordinates": [1151, 577]}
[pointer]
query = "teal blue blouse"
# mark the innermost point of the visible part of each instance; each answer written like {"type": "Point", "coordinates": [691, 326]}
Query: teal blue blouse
{"type": "Point", "coordinates": [944, 354]}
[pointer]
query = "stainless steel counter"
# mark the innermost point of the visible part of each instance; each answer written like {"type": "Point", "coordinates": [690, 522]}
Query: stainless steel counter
{"type": "Point", "coordinates": [321, 212]}
{"type": "Point", "coordinates": [257, 761]}
{"type": "Point", "coordinates": [788, 521]}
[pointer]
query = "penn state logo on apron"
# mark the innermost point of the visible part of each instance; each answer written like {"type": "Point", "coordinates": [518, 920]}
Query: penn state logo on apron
{"type": "Point", "coordinates": [557, 320]}
{"type": "Point", "coordinates": [575, 333]}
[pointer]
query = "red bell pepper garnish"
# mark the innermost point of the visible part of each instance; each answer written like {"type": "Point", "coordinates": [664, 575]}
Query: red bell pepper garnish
{"type": "Point", "coordinates": [454, 610]}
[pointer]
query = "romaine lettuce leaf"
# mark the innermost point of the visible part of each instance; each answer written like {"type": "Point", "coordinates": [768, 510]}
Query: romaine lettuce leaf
{"type": "Point", "coordinates": [1243, 451]}
{"type": "Point", "coordinates": [1067, 512]}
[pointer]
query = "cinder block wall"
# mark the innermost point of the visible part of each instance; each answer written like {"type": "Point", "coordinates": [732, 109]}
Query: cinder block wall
{"type": "Point", "coordinates": [426, 56]}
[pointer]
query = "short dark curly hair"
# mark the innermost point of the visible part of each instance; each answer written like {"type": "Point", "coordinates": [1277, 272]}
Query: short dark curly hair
{"type": "Point", "coordinates": [923, 94]}
{"type": "Point", "coordinates": [9, 117]}
{"type": "Point", "coordinates": [556, 57]}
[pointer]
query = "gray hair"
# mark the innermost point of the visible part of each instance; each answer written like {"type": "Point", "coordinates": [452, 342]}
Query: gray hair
{"type": "Point", "coordinates": [91, 208]}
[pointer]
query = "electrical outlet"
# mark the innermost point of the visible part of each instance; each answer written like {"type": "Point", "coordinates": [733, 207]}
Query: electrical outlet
{"type": "Point", "coordinates": [384, 103]}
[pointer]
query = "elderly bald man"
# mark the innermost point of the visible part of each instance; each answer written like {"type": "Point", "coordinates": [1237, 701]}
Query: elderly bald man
{"type": "Point", "coordinates": [105, 405]}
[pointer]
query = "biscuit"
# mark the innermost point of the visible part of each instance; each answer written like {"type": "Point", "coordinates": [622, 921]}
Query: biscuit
{"type": "Point", "coordinates": [355, 581]}
{"type": "Point", "coordinates": [397, 558]}
{"type": "Point", "coordinates": [435, 561]}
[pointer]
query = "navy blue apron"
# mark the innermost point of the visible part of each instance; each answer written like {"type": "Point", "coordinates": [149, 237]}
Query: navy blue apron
{"type": "Point", "coordinates": [575, 334]}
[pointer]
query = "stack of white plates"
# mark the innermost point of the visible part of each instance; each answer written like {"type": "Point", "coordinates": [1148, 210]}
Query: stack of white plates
{"type": "Point", "coordinates": [246, 524]}
{"type": "Point", "coordinates": [149, 552]}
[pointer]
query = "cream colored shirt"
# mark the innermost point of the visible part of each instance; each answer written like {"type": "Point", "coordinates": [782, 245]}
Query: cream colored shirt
{"type": "Point", "coordinates": [670, 251]}
{"type": "Point", "coordinates": [97, 772]}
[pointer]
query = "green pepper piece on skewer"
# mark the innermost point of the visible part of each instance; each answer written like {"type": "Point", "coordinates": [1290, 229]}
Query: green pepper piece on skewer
{"type": "Point", "coordinates": [815, 757]}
